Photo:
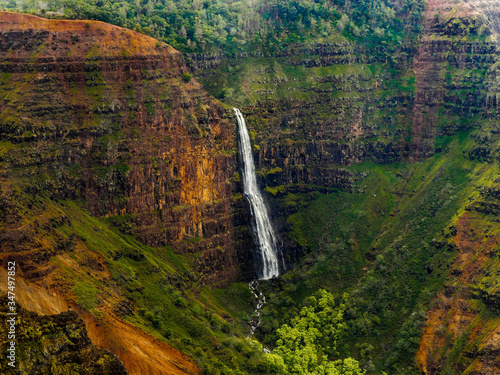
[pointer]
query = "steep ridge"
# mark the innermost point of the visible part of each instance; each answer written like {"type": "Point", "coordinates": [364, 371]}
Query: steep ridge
{"type": "Point", "coordinates": [141, 140]}
{"type": "Point", "coordinates": [57, 342]}
{"type": "Point", "coordinates": [462, 330]}
{"type": "Point", "coordinates": [141, 353]}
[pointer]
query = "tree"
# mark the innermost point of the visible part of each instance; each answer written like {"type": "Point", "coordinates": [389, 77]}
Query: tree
{"type": "Point", "coordinates": [311, 339]}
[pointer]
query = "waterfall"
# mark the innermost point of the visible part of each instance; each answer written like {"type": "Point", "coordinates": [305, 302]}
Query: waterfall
{"type": "Point", "coordinates": [263, 232]}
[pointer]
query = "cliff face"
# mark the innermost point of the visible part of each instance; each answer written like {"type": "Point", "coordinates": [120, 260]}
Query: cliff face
{"type": "Point", "coordinates": [111, 117]}
{"type": "Point", "coordinates": [336, 104]}
{"type": "Point", "coordinates": [461, 334]}
{"type": "Point", "coordinates": [312, 111]}
{"type": "Point", "coordinates": [451, 69]}
{"type": "Point", "coordinates": [314, 107]}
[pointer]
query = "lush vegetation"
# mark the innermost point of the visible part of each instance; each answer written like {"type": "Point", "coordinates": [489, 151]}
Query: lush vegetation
{"type": "Point", "coordinates": [388, 246]}
{"type": "Point", "coordinates": [202, 25]}
{"type": "Point", "coordinates": [311, 339]}
{"type": "Point", "coordinates": [153, 288]}
{"type": "Point", "coordinates": [387, 242]}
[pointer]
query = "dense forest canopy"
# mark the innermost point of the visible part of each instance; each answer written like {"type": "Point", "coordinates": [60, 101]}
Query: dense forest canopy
{"type": "Point", "coordinates": [210, 25]}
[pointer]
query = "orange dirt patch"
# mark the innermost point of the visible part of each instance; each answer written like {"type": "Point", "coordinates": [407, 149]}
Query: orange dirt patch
{"type": "Point", "coordinates": [102, 38]}
{"type": "Point", "coordinates": [140, 352]}
{"type": "Point", "coordinates": [452, 314]}
{"type": "Point", "coordinates": [35, 298]}
{"type": "Point", "coordinates": [458, 8]}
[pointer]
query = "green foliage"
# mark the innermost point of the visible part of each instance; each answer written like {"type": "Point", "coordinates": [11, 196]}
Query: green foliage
{"type": "Point", "coordinates": [172, 311]}
{"type": "Point", "coordinates": [244, 25]}
{"type": "Point", "coordinates": [87, 294]}
{"type": "Point", "coordinates": [311, 338]}
{"type": "Point", "coordinates": [275, 171]}
{"type": "Point", "coordinates": [186, 77]}
{"type": "Point", "coordinates": [384, 245]}
{"type": "Point", "coordinates": [274, 190]}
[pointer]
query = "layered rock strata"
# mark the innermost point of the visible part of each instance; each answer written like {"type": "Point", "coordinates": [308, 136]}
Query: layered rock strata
{"type": "Point", "coordinates": [111, 117]}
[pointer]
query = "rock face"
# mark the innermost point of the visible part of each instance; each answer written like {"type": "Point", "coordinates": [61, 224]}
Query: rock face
{"type": "Point", "coordinates": [111, 117]}
{"type": "Point", "coordinates": [461, 335]}
{"type": "Point", "coordinates": [60, 342]}
{"type": "Point", "coordinates": [450, 68]}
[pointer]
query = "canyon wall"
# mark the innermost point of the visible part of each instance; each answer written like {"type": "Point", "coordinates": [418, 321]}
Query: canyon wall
{"type": "Point", "coordinates": [112, 118]}
{"type": "Point", "coordinates": [316, 109]}
{"type": "Point", "coordinates": [461, 332]}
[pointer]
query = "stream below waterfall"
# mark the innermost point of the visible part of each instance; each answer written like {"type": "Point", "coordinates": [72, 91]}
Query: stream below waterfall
{"type": "Point", "coordinates": [261, 301]}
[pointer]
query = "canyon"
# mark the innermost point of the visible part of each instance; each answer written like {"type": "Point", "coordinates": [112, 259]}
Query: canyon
{"type": "Point", "coordinates": [122, 192]}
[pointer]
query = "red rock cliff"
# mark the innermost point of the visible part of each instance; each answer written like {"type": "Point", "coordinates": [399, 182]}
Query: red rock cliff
{"type": "Point", "coordinates": [112, 117]}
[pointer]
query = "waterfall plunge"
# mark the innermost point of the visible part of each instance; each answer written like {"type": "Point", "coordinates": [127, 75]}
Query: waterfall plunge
{"type": "Point", "coordinates": [263, 231]}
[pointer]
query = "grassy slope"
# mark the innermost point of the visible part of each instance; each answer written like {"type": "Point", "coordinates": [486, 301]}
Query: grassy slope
{"type": "Point", "coordinates": [198, 321]}
{"type": "Point", "coordinates": [102, 270]}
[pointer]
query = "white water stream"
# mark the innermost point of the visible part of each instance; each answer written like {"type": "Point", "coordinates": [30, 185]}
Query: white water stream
{"type": "Point", "coordinates": [261, 300]}
{"type": "Point", "coordinates": [263, 231]}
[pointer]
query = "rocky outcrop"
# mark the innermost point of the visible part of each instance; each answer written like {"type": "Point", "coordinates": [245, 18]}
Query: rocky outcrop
{"type": "Point", "coordinates": [321, 54]}
{"type": "Point", "coordinates": [111, 117]}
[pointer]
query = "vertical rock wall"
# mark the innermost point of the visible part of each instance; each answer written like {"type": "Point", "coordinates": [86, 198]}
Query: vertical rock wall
{"type": "Point", "coordinates": [112, 117]}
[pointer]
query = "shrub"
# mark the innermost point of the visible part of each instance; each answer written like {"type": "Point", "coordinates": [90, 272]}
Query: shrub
{"type": "Point", "coordinates": [186, 77]}
{"type": "Point", "coordinates": [168, 333]}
